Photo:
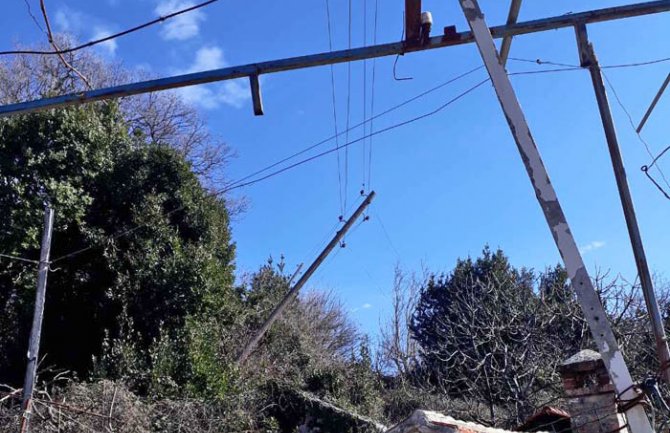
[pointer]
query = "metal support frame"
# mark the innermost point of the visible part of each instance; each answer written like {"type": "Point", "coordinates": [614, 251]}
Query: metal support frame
{"type": "Point", "coordinates": [556, 220]}
{"type": "Point", "coordinates": [506, 44]}
{"type": "Point", "coordinates": [589, 60]}
{"type": "Point", "coordinates": [333, 57]}
{"type": "Point", "coordinates": [653, 103]}
{"type": "Point", "coordinates": [293, 292]}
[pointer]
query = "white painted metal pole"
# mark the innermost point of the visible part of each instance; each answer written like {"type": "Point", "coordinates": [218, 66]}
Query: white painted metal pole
{"type": "Point", "coordinates": [553, 212]}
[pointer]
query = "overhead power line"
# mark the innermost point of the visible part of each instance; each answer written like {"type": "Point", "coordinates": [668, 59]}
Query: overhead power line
{"type": "Point", "coordinates": [644, 168]}
{"type": "Point", "coordinates": [365, 89]}
{"type": "Point", "coordinates": [372, 102]}
{"type": "Point", "coordinates": [615, 66]}
{"type": "Point", "coordinates": [358, 125]}
{"type": "Point", "coordinates": [240, 183]}
{"type": "Point", "coordinates": [334, 100]}
{"type": "Point", "coordinates": [348, 120]}
{"type": "Point", "coordinates": [110, 37]}
{"type": "Point", "coordinates": [632, 65]}
{"type": "Point", "coordinates": [32, 16]}
{"type": "Point", "coordinates": [22, 259]}
{"type": "Point", "coordinates": [334, 149]}
{"type": "Point", "coordinates": [637, 133]}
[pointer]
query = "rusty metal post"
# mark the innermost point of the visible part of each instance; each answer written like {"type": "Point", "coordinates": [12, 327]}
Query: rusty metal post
{"type": "Point", "coordinates": [589, 60]}
{"type": "Point", "coordinates": [412, 20]}
{"type": "Point", "coordinates": [553, 213]}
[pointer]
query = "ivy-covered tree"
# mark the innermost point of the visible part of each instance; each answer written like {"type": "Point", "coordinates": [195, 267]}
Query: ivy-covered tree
{"type": "Point", "coordinates": [156, 259]}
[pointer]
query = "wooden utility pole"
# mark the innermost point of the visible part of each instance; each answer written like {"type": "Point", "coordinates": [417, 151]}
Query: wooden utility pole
{"type": "Point", "coordinates": [38, 315]}
{"type": "Point", "coordinates": [553, 213]}
{"type": "Point", "coordinates": [589, 60]}
{"type": "Point", "coordinates": [293, 292]}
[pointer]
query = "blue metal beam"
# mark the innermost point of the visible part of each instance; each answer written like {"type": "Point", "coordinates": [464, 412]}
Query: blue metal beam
{"type": "Point", "coordinates": [341, 56]}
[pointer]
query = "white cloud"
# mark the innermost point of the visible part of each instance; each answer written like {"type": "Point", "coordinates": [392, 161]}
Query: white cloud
{"type": "Point", "coordinates": [234, 93]}
{"type": "Point", "coordinates": [207, 58]}
{"type": "Point", "coordinates": [109, 46]}
{"type": "Point", "coordinates": [365, 306]}
{"type": "Point", "coordinates": [591, 246]}
{"type": "Point", "coordinates": [79, 25]}
{"type": "Point", "coordinates": [183, 26]}
{"type": "Point", "coordinates": [68, 20]}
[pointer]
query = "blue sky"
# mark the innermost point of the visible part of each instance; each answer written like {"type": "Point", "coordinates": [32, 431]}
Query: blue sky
{"type": "Point", "coordinates": [447, 185]}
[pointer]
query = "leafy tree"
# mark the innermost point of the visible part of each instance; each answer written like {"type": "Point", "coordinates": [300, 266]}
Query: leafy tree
{"type": "Point", "coordinates": [55, 156]}
{"type": "Point", "coordinates": [140, 304]}
{"type": "Point", "coordinates": [173, 263]}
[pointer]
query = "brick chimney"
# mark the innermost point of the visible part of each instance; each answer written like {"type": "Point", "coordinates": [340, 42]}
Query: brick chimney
{"type": "Point", "coordinates": [591, 395]}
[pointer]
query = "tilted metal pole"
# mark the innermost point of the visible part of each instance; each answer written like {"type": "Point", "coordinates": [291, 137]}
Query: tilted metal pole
{"type": "Point", "coordinates": [653, 103]}
{"type": "Point", "coordinates": [546, 196]}
{"type": "Point", "coordinates": [293, 293]}
{"type": "Point", "coordinates": [506, 44]}
{"type": "Point", "coordinates": [369, 52]}
{"type": "Point", "coordinates": [38, 315]}
{"type": "Point", "coordinates": [589, 60]}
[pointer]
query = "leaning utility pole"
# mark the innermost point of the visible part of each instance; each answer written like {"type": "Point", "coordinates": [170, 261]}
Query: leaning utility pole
{"type": "Point", "coordinates": [588, 59]}
{"type": "Point", "coordinates": [293, 292]}
{"type": "Point", "coordinates": [36, 331]}
{"type": "Point", "coordinates": [553, 213]}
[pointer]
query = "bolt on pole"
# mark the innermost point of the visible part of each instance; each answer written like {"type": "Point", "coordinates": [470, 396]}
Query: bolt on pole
{"type": "Point", "coordinates": [38, 315]}
{"type": "Point", "coordinates": [293, 292]}
{"type": "Point", "coordinates": [589, 60]}
{"type": "Point", "coordinates": [553, 212]}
